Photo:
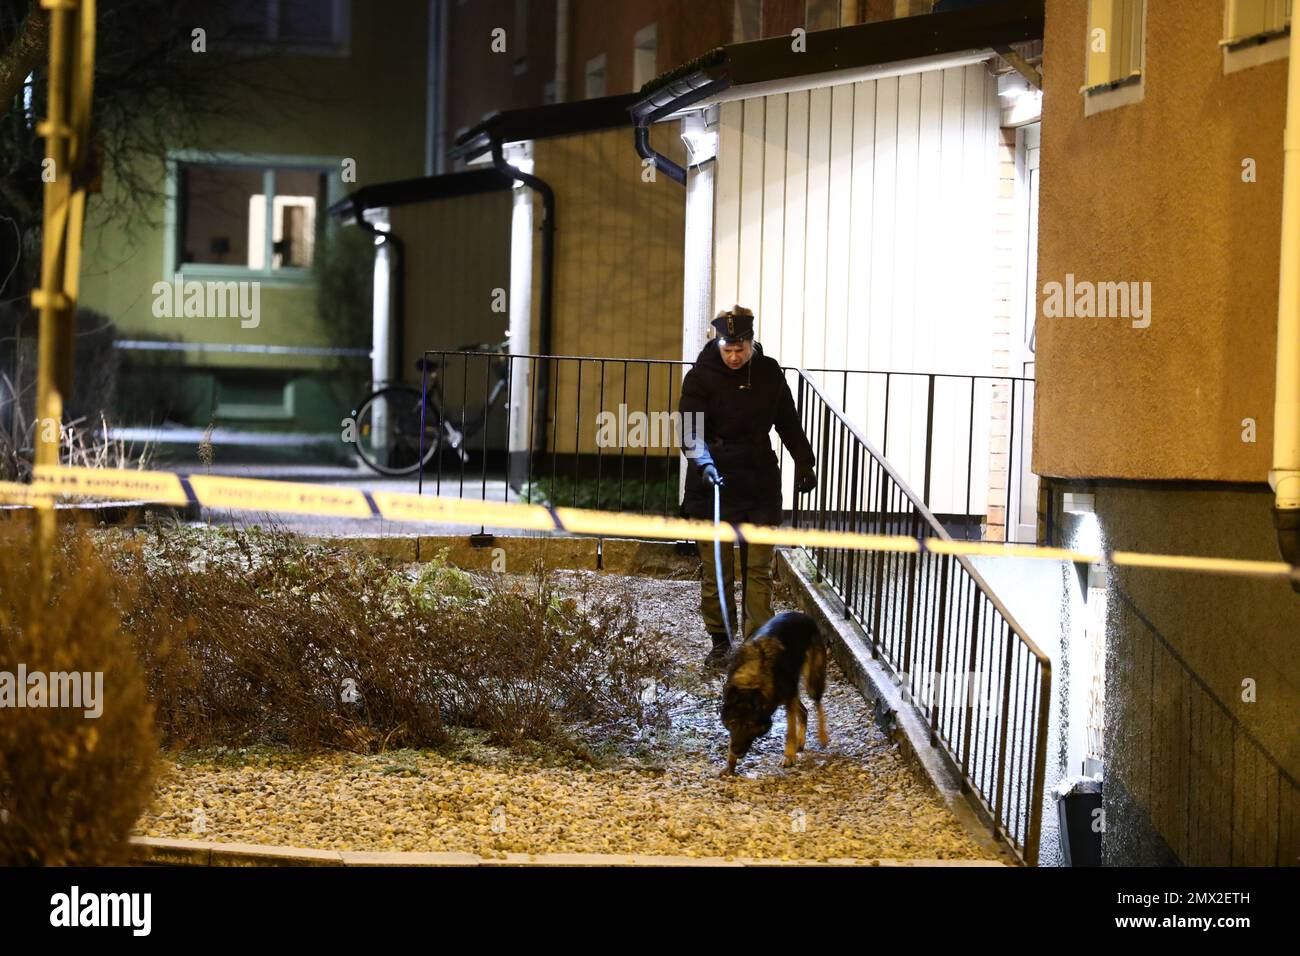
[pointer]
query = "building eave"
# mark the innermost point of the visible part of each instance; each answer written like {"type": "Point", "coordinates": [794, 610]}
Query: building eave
{"type": "Point", "coordinates": [907, 44]}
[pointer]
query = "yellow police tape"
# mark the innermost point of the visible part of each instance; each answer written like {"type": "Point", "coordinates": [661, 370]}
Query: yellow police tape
{"type": "Point", "coordinates": [250, 494]}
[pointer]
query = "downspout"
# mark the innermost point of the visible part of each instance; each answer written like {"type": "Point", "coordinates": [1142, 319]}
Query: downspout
{"type": "Point", "coordinates": [1285, 474]}
{"type": "Point", "coordinates": [690, 95]}
{"type": "Point", "coordinates": [662, 163]}
{"type": "Point", "coordinates": [398, 285]}
{"type": "Point", "coordinates": [546, 305]}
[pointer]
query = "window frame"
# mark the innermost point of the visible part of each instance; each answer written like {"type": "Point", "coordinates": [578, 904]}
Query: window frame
{"type": "Point", "coordinates": [340, 43]}
{"type": "Point", "coordinates": [645, 39]}
{"type": "Point", "coordinates": [738, 32]}
{"type": "Point", "coordinates": [244, 411]}
{"type": "Point", "coordinates": [588, 69]}
{"type": "Point", "coordinates": [269, 164]}
{"type": "Point", "coordinates": [1253, 49]}
{"type": "Point", "coordinates": [1124, 91]}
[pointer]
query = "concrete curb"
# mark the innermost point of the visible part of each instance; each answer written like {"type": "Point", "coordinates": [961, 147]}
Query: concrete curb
{"type": "Point", "coordinates": [522, 552]}
{"type": "Point", "coordinates": [852, 651]}
{"type": "Point", "coordinates": [152, 851]}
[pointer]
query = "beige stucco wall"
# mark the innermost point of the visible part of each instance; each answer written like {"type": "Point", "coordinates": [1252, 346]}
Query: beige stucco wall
{"type": "Point", "coordinates": [1153, 192]}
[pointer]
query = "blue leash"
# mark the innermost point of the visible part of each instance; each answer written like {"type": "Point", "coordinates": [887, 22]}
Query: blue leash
{"type": "Point", "coordinates": [717, 565]}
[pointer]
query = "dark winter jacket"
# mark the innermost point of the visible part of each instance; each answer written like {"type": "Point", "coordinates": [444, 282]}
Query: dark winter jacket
{"type": "Point", "coordinates": [739, 410]}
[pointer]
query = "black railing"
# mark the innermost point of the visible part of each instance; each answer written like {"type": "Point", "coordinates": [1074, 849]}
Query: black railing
{"type": "Point", "coordinates": [548, 446]}
{"type": "Point", "coordinates": [965, 666]}
{"type": "Point", "coordinates": [601, 434]}
{"type": "Point", "coordinates": [1236, 803]}
{"type": "Point", "coordinates": [959, 440]}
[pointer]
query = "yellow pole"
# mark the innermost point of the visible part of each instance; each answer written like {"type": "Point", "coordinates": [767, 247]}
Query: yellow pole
{"type": "Point", "coordinates": [66, 130]}
{"type": "Point", "coordinates": [1285, 475]}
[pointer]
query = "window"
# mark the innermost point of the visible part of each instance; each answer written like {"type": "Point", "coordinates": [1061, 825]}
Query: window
{"type": "Point", "coordinates": [519, 39]}
{"type": "Point", "coordinates": [1113, 55]}
{"type": "Point", "coordinates": [254, 396]}
{"type": "Point", "coordinates": [1254, 33]}
{"type": "Point", "coordinates": [253, 218]}
{"type": "Point", "coordinates": [306, 26]}
{"type": "Point", "coordinates": [747, 23]}
{"type": "Point", "coordinates": [1114, 43]}
{"type": "Point", "coordinates": [595, 77]}
{"type": "Point", "coordinates": [1246, 21]}
{"type": "Point", "coordinates": [822, 14]}
{"type": "Point", "coordinates": [644, 56]}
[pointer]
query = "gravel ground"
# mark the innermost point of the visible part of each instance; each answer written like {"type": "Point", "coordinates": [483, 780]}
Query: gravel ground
{"type": "Point", "coordinates": [657, 794]}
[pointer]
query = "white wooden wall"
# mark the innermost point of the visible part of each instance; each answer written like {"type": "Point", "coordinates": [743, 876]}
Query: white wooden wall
{"type": "Point", "coordinates": [858, 221]}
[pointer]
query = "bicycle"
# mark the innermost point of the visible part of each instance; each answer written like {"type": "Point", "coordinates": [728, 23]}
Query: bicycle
{"type": "Point", "coordinates": [391, 422]}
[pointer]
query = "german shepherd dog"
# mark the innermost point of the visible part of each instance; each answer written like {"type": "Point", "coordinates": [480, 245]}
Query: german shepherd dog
{"type": "Point", "coordinates": [764, 675]}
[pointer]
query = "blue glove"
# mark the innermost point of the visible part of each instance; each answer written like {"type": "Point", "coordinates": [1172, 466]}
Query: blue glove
{"type": "Point", "coordinates": [711, 475]}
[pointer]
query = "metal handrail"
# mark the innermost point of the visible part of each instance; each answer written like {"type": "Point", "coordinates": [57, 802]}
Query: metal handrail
{"type": "Point", "coordinates": [965, 375]}
{"type": "Point", "coordinates": [930, 625]}
{"type": "Point", "coordinates": [936, 529]}
{"type": "Point", "coordinates": [541, 441]}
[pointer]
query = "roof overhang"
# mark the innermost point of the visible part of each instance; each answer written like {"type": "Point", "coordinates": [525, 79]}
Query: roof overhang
{"type": "Point", "coordinates": [848, 54]}
{"type": "Point", "coordinates": [424, 189]}
{"type": "Point", "coordinates": [543, 122]}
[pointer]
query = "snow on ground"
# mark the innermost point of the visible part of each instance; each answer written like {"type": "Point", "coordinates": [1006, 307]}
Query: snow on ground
{"type": "Point", "coordinates": [658, 794]}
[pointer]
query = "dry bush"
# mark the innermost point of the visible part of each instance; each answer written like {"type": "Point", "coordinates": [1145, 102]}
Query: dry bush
{"type": "Point", "coordinates": [250, 636]}
{"type": "Point", "coordinates": [71, 786]}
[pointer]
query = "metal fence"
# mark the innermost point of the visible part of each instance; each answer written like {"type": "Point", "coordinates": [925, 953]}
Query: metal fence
{"type": "Point", "coordinates": [965, 665]}
{"type": "Point", "coordinates": [967, 668]}
{"type": "Point", "coordinates": [962, 441]}
{"type": "Point", "coordinates": [1212, 789]}
{"type": "Point", "coordinates": [558, 431]}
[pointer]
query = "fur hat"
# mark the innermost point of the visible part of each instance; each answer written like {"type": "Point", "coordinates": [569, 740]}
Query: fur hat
{"type": "Point", "coordinates": [735, 324]}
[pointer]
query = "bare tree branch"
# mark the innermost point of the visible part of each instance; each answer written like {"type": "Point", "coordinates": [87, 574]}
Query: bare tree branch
{"type": "Point", "coordinates": [24, 55]}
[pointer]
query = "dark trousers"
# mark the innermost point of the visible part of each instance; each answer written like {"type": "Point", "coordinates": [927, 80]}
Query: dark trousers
{"type": "Point", "coordinates": [757, 561]}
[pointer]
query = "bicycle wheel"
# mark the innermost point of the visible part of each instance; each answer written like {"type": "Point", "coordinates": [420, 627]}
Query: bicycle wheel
{"type": "Point", "coordinates": [388, 431]}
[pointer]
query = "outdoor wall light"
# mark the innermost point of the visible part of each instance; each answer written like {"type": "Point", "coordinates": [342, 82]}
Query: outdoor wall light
{"type": "Point", "coordinates": [700, 137]}
{"type": "Point", "coordinates": [1073, 503]}
{"type": "Point", "coordinates": [520, 156]}
{"type": "Point", "coordinates": [1011, 86]}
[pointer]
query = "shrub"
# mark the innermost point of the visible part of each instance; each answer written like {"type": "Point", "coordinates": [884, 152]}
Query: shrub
{"type": "Point", "coordinates": [71, 786]}
{"type": "Point", "coordinates": [255, 637]}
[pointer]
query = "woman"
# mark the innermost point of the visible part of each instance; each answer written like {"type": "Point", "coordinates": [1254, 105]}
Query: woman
{"type": "Point", "coordinates": [739, 394]}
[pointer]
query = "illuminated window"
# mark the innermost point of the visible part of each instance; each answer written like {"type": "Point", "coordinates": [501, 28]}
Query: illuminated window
{"type": "Point", "coordinates": [822, 14]}
{"type": "Point", "coordinates": [1114, 55]}
{"type": "Point", "coordinates": [257, 218]}
{"type": "Point", "coordinates": [1254, 20]}
{"type": "Point", "coordinates": [645, 56]}
{"type": "Point", "coordinates": [747, 23]}
{"type": "Point", "coordinates": [1114, 43]}
{"type": "Point", "coordinates": [595, 77]}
